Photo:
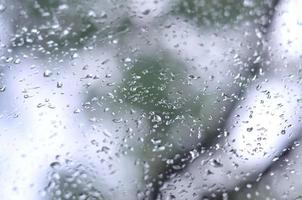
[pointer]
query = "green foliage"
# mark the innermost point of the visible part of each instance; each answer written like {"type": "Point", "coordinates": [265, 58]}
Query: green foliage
{"type": "Point", "coordinates": [220, 12]}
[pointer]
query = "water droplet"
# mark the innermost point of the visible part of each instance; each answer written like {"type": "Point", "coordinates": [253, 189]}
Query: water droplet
{"type": "Point", "coordinates": [156, 118]}
{"type": "Point", "coordinates": [17, 61]}
{"type": "Point", "coordinates": [91, 13]}
{"type": "Point", "coordinates": [117, 120]}
{"type": "Point", "coordinates": [40, 105]}
{"type": "Point", "coordinates": [68, 195]}
{"type": "Point", "coordinates": [74, 56]}
{"type": "Point", "coordinates": [94, 142]}
{"type": "Point", "coordinates": [59, 84]}
{"type": "Point", "coordinates": [106, 133]}
{"type": "Point", "coordinates": [63, 7]}
{"type": "Point", "coordinates": [194, 154]}
{"type": "Point", "coordinates": [129, 130]}
{"type": "Point", "coordinates": [103, 15]}
{"type": "Point", "coordinates": [47, 73]}
{"type": "Point", "coordinates": [93, 119]}
{"type": "Point", "coordinates": [105, 149]}
{"type": "Point", "coordinates": [298, 198]}
{"type": "Point", "coordinates": [55, 165]}
{"type": "Point", "coordinates": [76, 111]}
{"type": "Point", "coordinates": [2, 8]}
{"type": "Point", "coordinates": [249, 129]}
{"type": "Point", "coordinates": [216, 163]}
{"type": "Point", "coordinates": [127, 60]}
{"type": "Point", "coordinates": [115, 41]}
{"type": "Point", "coordinates": [2, 88]}
{"type": "Point", "coordinates": [146, 12]}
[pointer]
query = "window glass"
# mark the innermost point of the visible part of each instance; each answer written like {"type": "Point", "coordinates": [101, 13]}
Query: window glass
{"type": "Point", "coordinates": [150, 99]}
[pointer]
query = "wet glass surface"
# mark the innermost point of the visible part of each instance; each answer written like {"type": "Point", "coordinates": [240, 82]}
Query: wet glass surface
{"type": "Point", "coordinates": [150, 99]}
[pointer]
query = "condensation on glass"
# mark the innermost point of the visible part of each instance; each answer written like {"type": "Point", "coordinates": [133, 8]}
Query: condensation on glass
{"type": "Point", "coordinates": [150, 99]}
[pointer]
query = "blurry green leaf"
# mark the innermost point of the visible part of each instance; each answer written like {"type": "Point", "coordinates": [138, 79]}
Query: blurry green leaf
{"type": "Point", "coordinates": [220, 12]}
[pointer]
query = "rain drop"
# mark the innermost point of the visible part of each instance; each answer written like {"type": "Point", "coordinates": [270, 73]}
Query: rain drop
{"type": "Point", "coordinates": [250, 129]}
{"type": "Point", "coordinates": [47, 73]}
{"type": "Point", "coordinates": [2, 88]}
{"type": "Point", "coordinates": [59, 84]}
{"type": "Point", "coordinates": [2, 7]}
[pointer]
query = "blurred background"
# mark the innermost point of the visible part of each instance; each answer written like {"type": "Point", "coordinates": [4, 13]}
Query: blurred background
{"type": "Point", "coordinates": [150, 99]}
